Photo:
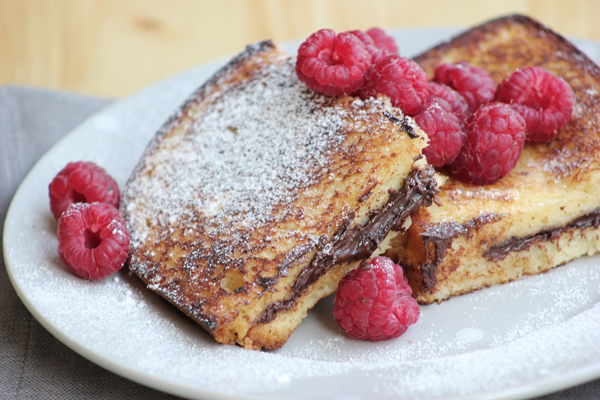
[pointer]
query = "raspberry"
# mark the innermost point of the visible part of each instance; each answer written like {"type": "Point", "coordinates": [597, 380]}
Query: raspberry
{"type": "Point", "coordinates": [495, 137]}
{"type": "Point", "coordinates": [92, 239]}
{"type": "Point", "coordinates": [403, 81]}
{"type": "Point", "coordinates": [444, 131]}
{"type": "Point", "coordinates": [368, 89]}
{"type": "Point", "coordinates": [376, 53]}
{"type": "Point", "coordinates": [384, 41]}
{"type": "Point", "coordinates": [456, 100]}
{"type": "Point", "coordinates": [373, 302]}
{"type": "Point", "coordinates": [378, 44]}
{"type": "Point", "coordinates": [544, 100]}
{"type": "Point", "coordinates": [332, 64]}
{"type": "Point", "coordinates": [473, 83]}
{"type": "Point", "coordinates": [81, 182]}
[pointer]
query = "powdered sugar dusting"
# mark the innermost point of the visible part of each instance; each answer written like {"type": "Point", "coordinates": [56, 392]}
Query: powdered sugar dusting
{"type": "Point", "coordinates": [536, 303]}
{"type": "Point", "coordinates": [557, 331]}
{"type": "Point", "coordinates": [547, 337]}
{"type": "Point", "coordinates": [234, 164]}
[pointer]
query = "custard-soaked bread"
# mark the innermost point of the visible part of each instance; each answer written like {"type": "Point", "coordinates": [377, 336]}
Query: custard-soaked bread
{"type": "Point", "coordinates": [257, 196]}
{"type": "Point", "coordinates": [542, 214]}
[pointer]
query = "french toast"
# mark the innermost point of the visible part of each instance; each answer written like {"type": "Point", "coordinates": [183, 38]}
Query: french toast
{"type": "Point", "coordinates": [258, 194]}
{"type": "Point", "coordinates": [545, 212]}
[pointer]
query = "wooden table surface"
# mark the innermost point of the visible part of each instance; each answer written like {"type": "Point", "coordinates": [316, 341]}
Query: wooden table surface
{"type": "Point", "coordinates": [113, 48]}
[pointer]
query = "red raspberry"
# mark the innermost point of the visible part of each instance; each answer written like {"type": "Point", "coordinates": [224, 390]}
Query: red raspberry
{"type": "Point", "coordinates": [495, 137]}
{"type": "Point", "coordinates": [544, 100]}
{"type": "Point", "coordinates": [332, 64]}
{"type": "Point", "coordinates": [81, 182]}
{"type": "Point", "coordinates": [473, 83]}
{"type": "Point", "coordinates": [376, 53]}
{"type": "Point", "coordinates": [378, 44]}
{"type": "Point", "coordinates": [368, 89]}
{"type": "Point", "coordinates": [458, 103]}
{"type": "Point", "coordinates": [403, 81]}
{"type": "Point", "coordinates": [373, 302]}
{"type": "Point", "coordinates": [92, 239]}
{"type": "Point", "coordinates": [444, 131]}
{"type": "Point", "coordinates": [384, 41]}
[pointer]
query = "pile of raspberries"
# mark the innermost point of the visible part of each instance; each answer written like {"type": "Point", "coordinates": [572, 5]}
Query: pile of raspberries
{"type": "Point", "coordinates": [93, 241]}
{"type": "Point", "coordinates": [476, 128]}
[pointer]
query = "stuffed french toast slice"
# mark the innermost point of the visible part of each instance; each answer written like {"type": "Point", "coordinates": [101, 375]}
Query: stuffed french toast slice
{"type": "Point", "coordinates": [546, 211]}
{"type": "Point", "coordinates": [254, 199]}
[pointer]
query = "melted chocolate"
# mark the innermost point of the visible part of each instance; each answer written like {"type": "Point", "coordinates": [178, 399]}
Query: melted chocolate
{"type": "Point", "coordinates": [419, 189]}
{"type": "Point", "coordinates": [438, 239]}
{"type": "Point", "coordinates": [497, 253]}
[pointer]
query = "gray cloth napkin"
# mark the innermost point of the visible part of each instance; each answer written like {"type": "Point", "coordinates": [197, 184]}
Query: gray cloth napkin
{"type": "Point", "coordinates": [33, 364]}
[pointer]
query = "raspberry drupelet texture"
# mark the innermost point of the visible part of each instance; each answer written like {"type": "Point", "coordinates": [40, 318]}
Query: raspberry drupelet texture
{"type": "Point", "coordinates": [473, 83]}
{"type": "Point", "coordinates": [376, 53]}
{"type": "Point", "coordinates": [544, 100]}
{"type": "Point", "coordinates": [384, 41]}
{"type": "Point", "coordinates": [93, 241]}
{"type": "Point", "coordinates": [402, 80]}
{"type": "Point", "coordinates": [378, 43]}
{"type": "Point", "coordinates": [368, 89]}
{"type": "Point", "coordinates": [443, 129]}
{"type": "Point", "coordinates": [494, 140]}
{"type": "Point", "coordinates": [458, 103]}
{"type": "Point", "coordinates": [81, 182]}
{"type": "Point", "coordinates": [374, 301]}
{"type": "Point", "coordinates": [332, 64]}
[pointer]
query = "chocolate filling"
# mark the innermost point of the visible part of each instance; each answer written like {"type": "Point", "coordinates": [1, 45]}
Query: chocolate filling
{"type": "Point", "coordinates": [497, 253]}
{"type": "Point", "coordinates": [420, 188]}
{"type": "Point", "coordinates": [438, 239]}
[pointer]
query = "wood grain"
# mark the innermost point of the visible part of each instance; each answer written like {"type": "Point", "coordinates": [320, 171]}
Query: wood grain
{"type": "Point", "coordinates": [113, 48]}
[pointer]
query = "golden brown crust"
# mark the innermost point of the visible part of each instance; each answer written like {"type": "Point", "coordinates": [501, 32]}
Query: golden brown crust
{"type": "Point", "coordinates": [507, 43]}
{"type": "Point", "coordinates": [552, 185]}
{"type": "Point", "coordinates": [248, 182]}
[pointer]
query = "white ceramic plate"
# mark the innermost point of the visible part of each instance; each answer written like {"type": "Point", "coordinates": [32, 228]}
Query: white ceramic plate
{"type": "Point", "coordinates": [533, 336]}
